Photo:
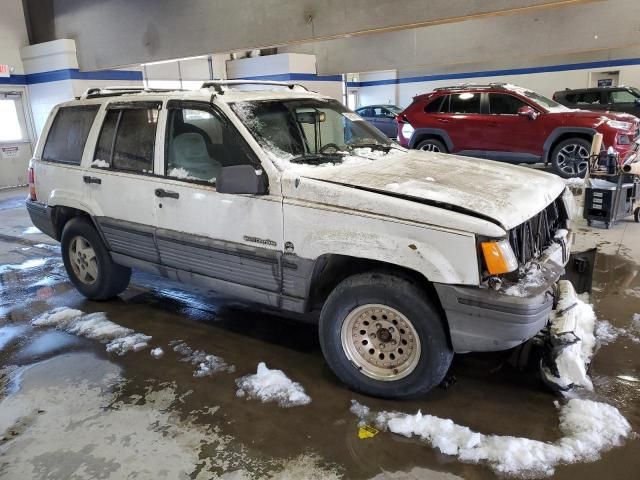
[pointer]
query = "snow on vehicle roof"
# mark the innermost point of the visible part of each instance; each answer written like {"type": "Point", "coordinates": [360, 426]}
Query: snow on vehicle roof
{"type": "Point", "coordinates": [230, 94]}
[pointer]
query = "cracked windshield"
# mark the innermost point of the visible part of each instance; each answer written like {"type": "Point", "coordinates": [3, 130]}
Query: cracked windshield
{"type": "Point", "coordinates": [312, 132]}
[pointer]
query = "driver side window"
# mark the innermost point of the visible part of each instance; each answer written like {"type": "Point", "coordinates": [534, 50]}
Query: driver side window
{"type": "Point", "coordinates": [200, 142]}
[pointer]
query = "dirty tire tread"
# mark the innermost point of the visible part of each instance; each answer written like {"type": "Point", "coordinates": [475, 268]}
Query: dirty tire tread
{"type": "Point", "coordinates": [113, 278]}
{"type": "Point", "coordinates": [560, 146]}
{"type": "Point", "coordinates": [412, 301]}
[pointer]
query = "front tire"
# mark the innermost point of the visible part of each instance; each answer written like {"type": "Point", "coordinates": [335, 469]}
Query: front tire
{"type": "Point", "coordinates": [88, 262]}
{"type": "Point", "coordinates": [570, 158]}
{"type": "Point", "coordinates": [432, 145]}
{"type": "Point", "coordinates": [382, 336]}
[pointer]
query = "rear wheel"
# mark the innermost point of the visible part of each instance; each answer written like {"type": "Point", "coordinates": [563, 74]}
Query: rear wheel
{"type": "Point", "coordinates": [382, 336]}
{"type": "Point", "coordinates": [88, 262]}
{"type": "Point", "coordinates": [570, 158]}
{"type": "Point", "coordinates": [432, 145]}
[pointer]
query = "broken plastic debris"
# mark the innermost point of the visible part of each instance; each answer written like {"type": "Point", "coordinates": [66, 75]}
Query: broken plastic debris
{"type": "Point", "coordinates": [571, 342]}
{"type": "Point", "coordinates": [367, 431]}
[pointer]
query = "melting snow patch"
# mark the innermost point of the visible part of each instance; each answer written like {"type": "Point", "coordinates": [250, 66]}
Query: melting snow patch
{"type": "Point", "coordinates": [96, 326]}
{"type": "Point", "coordinates": [157, 352]}
{"type": "Point", "coordinates": [532, 279]}
{"type": "Point", "coordinates": [588, 428]}
{"type": "Point", "coordinates": [26, 265]}
{"type": "Point", "coordinates": [30, 231]}
{"type": "Point", "coordinates": [206, 364]}
{"type": "Point", "coordinates": [100, 163]}
{"type": "Point", "coordinates": [272, 386]}
{"type": "Point", "coordinates": [608, 333]}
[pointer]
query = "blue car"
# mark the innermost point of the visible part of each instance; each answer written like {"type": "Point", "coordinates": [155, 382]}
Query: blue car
{"type": "Point", "coordinates": [383, 117]}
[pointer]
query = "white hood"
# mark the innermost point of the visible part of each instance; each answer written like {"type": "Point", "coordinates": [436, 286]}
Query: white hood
{"type": "Point", "coordinates": [507, 194]}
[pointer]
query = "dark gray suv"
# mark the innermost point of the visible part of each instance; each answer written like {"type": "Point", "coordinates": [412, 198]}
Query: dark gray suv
{"type": "Point", "coordinates": [615, 99]}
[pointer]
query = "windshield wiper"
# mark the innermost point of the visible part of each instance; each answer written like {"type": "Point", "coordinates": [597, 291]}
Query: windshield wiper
{"type": "Point", "coordinates": [372, 146]}
{"type": "Point", "coordinates": [317, 158]}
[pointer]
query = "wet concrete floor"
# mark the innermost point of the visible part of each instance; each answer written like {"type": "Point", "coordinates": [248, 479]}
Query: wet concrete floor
{"type": "Point", "coordinates": [71, 410]}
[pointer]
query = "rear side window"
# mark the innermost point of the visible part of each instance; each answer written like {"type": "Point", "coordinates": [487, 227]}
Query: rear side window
{"type": "Point", "coordinates": [504, 104]}
{"type": "Point", "coordinates": [621, 96]}
{"type": "Point", "coordinates": [68, 134]}
{"type": "Point", "coordinates": [127, 139]}
{"type": "Point", "coordinates": [588, 98]}
{"type": "Point", "coordinates": [466, 102]}
{"type": "Point", "coordinates": [434, 106]}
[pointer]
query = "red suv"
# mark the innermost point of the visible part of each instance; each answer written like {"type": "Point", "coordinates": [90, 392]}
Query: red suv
{"type": "Point", "coordinates": [513, 124]}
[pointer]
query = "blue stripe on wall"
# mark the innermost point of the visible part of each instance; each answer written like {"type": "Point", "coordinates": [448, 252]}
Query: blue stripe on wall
{"type": "Point", "coordinates": [287, 77]}
{"type": "Point", "coordinates": [498, 73]}
{"type": "Point", "coordinates": [71, 74]}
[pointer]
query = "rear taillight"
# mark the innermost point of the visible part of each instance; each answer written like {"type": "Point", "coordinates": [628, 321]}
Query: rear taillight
{"type": "Point", "coordinates": [32, 184]}
{"type": "Point", "coordinates": [400, 118]}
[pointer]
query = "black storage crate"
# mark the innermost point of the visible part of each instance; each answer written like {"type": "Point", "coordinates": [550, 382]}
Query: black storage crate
{"type": "Point", "coordinates": [601, 197]}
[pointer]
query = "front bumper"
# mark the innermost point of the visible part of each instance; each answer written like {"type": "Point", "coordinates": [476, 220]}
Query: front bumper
{"type": "Point", "coordinates": [485, 320]}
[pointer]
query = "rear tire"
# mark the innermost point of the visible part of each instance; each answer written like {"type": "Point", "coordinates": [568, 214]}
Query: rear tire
{"type": "Point", "coordinates": [88, 262]}
{"type": "Point", "coordinates": [382, 336]}
{"type": "Point", "coordinates": [570, 158]}
{"type": "Point", "coordinates": [432, 145]}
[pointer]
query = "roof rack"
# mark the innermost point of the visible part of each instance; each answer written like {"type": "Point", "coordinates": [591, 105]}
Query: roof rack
{"type": "Point", "coordinates": [219, 85]}
{"type": "Point", "coordinates": [98, 92]}
{"type": "Point", "coordinates": [472, 85]}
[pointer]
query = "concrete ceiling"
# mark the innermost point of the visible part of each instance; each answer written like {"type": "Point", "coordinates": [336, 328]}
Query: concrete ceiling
{"type": "Point", "coordinates": [113, 33]}
{"type": "Point", "coordinates": [597, 30]}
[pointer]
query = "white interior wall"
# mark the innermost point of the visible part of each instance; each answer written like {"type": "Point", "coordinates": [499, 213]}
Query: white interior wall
{"type": "Point", "coordinates": [545, 83]}
{"type": "Point", "coordinates": [13, 34]}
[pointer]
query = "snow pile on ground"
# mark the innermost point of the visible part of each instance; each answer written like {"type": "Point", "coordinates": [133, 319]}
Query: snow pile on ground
{"type": "Point", "coordinates": [26, 265]}
{"type": "Point", "coordinates": [272, 386]}
{"type": "Point", "coordinates": [206, 363]}
{"type": "Point", "coordinates": [96, 326]}
{"type": "Point", "coordinates": [574, 181]}
{"type": "Point", "coordinates": [100, 163]}
{"type": "Point", "coordinates": [157, 352]}
{"type": "Point", "coordinates": [573, 324]}
{"type": "Point", "coordinates": [588, 429]}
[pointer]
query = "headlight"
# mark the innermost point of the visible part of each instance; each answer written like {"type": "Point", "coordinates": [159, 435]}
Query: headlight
{"type": "Point", "coordinates": [619, 125]}
{"type": "Point", "coordinates": [624, 140]}
{"type": "Point", "coordinates": [407, 130]}
{"type": "Point", "coordinates": [499, 257]}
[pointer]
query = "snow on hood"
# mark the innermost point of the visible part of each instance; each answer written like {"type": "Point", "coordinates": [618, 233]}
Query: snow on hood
{"type": "Point", "coordinates": [508, 194]}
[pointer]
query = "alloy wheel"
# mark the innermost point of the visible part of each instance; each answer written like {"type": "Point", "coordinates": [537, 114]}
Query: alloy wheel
{"type": "Point", "coordinates": [83, 260]}
{"type": "Point", "coordinates": [573, 159]}
{"type": "Point", "coordinates": [381, 342]}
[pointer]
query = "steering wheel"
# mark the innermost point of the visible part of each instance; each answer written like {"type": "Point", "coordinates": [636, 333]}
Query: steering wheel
{"type": "Point", "coordinates": [329, 146]}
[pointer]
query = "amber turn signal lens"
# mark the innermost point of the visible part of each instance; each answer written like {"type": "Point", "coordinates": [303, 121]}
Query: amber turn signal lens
{"type": "Point", "coordinates": [499, 257]}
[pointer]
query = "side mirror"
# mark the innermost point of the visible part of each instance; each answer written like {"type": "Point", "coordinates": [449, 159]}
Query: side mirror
{"type": "Point", "coordinates": [241, 179]}
{"type": "Point", "coordinates": [528, 112]}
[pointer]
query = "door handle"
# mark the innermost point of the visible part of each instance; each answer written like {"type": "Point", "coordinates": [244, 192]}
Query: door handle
{"type": "Point", "coordinates": [161, 193]}
{"type": "Point", "coordinates": [444, 120]}
{"type": "Point", "coordinates": [88, 179]}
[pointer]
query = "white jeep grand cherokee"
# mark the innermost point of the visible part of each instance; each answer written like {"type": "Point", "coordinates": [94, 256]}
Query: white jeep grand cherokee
{"type": "Point", "coordinates": [284, 198]}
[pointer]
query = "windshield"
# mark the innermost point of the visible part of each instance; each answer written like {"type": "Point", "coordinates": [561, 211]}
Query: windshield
{"type": "Point", "coordinates": [395, 109]}
{"type": "Point", "coordinates": [541, 100]}
{"type": "Point", "coordinates": [310, 131]}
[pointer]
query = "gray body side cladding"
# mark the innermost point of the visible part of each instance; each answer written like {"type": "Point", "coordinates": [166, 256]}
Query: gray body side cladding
{"type": "Point", "coordinates": [557, 132]}
{"type": "Point", "coordinates": [439, 132]}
